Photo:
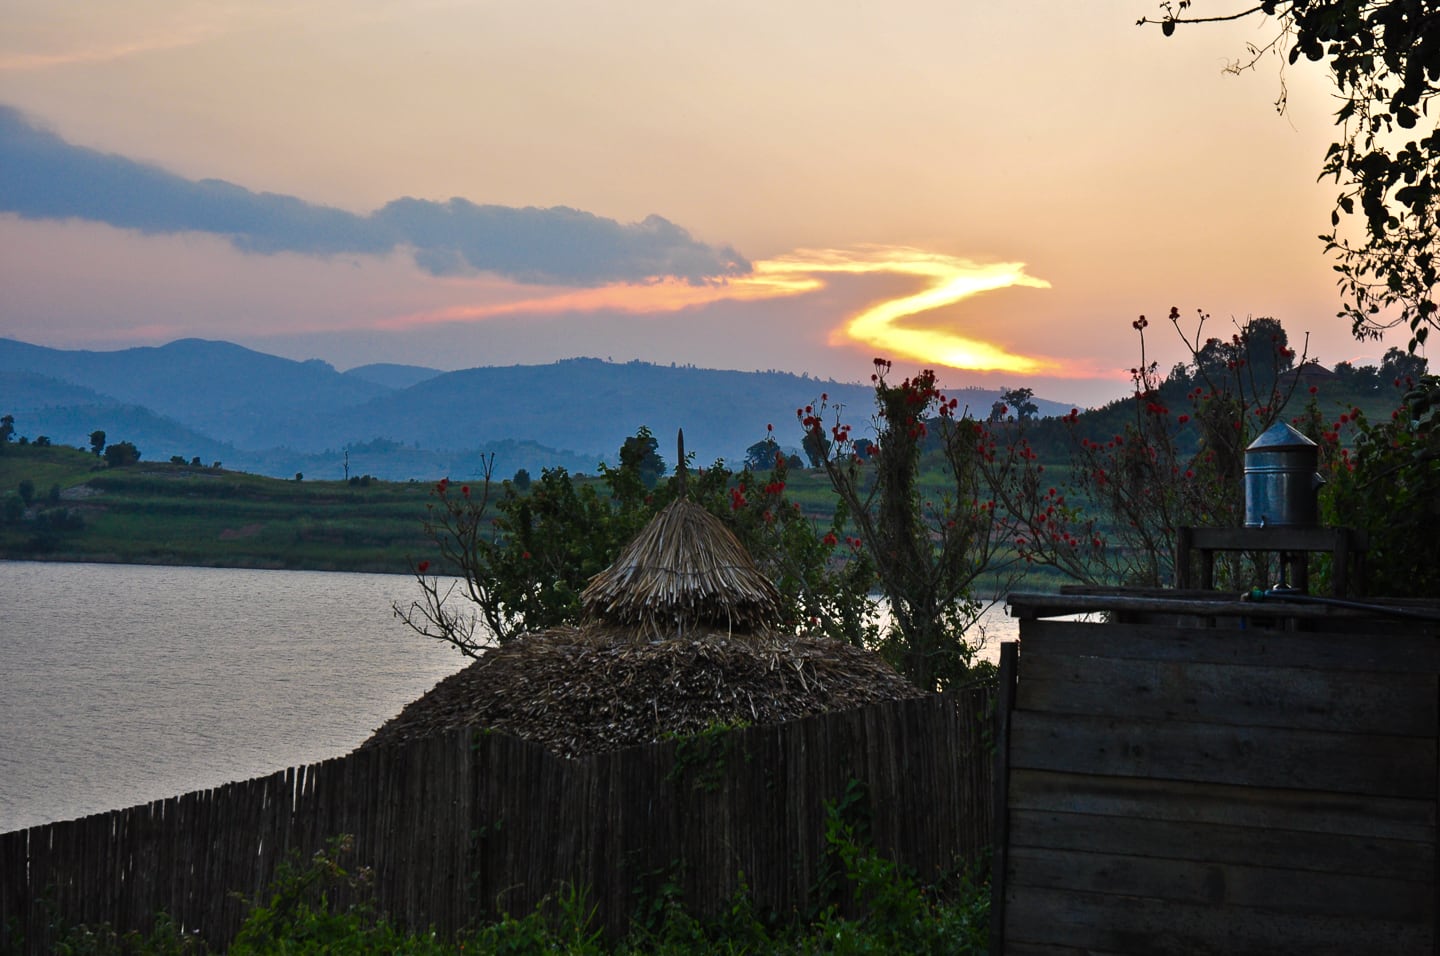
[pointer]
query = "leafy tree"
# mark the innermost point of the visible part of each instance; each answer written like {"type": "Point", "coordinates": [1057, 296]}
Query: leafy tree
{"type": "Point", "coordinates": [640, 453]}
{"type": "Point", "coordinates": [521, 481]}
{"type": "Point", "coordinates": [816, 447]}
{"type": "Point", "coordinates": [927, 554]}
{"type": "Point", "coordinates": [121, 454]}
{"type": "Point", "coordinates": [7, 428]}
{"type": "Point", "coordinates": [515, 561]}
{"type": "Point", "coordinates": [1021, 402]}
{"type": "Point", "coordinates": [1401, 369]}
{"type": "Point", "coordinates": [97, 441]}
{"type": "Point", "coordinates": [27, 491]}
{"type": "Point", "coordinates": [1363, 379]}
{"type": "Point", "coordinates": [195, 462]}
{"type": "Point", "coordinates": [761, 455]}
{"type": "Point", "coordinates": [42, 441]}
{"type": "Point", "coordinates": [1384, 59]}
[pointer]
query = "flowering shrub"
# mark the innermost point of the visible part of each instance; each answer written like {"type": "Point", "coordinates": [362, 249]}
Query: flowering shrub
{"type": "Point", "coordinates": [1173, 458]}
{"type": "Point", "coordinates": [926, 553]}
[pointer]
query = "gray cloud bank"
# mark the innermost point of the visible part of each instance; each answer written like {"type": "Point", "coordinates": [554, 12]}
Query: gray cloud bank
{"type": "Point", "coordinates": [44, 177]}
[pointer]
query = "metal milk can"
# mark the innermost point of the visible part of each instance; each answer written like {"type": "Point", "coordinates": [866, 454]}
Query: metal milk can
{"type": "Point", "coordinates": [1281, 481]}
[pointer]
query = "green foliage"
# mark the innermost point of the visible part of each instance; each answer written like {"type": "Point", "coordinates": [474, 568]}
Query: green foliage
{"type": "Point", "coordinates": [297, 917]}
{"type": "Point", "coordinates": [522, 567]}
{"type": "Point", "coordinates": [120, 454]}
{"type": "Point", "coordinates": [164, 939]}
{"type": "Point", "coordinates": [97, 441]}
{"type": "Point", "coordinates": [640, 456]}
{"type": "Point", "coordinates": [761, 455]}
{"type": "Point", "coordinates": [1017, 402]}
{"type": "Point", "coordinates": [926, 551]}
{"type": "Point", "coordinates": [1390, 487]}
{"type": "Point", "coordinates": [875, 906]}
{"type": "Point", "coordinates": [1385, 63]}
{"type": "Point", "coordinates": [508, 562]}
{"type": "Point", "coordinates": [880, 909]}
{"type": "Point", "coordinates": [703, 759]}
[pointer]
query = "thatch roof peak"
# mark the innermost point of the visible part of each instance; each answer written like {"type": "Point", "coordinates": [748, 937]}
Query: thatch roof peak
{"type": "Point", "coordinates": [684, 571]}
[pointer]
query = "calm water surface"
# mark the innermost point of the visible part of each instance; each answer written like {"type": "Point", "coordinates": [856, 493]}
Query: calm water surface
{"type": "Point", "coordinates": [121, 684]}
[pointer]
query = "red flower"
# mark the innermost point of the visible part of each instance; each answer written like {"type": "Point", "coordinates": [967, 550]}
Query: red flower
{"type": "Point", "coordinates": [423, 566]}
{"type": "Point", "coordinates": [830, 539]}
{"type": "Point", "coordinates": [525, 555]}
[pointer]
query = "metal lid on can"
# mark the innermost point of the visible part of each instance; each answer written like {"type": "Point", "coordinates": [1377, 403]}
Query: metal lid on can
{"type": "Point", "coordinates": [1280, 436]}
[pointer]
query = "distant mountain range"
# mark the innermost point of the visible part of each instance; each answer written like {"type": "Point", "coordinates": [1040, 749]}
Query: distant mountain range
{"type": "Point", "coordinates": [274, 416]}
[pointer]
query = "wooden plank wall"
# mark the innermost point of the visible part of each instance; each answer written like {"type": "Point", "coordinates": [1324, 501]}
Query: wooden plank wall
{"type": "Point", "coordinates": [1220, 790]}
{"type": "Point", "coordinates": [462, 826]}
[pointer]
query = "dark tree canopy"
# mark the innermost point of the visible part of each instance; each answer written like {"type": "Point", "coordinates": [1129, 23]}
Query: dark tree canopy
{"type": "Point", "coordinates": [121, 453]}
{"type": "Point", "coordinates": [1384, 58]}
{"type": "Point", "coordinates": [640, 452]}
{"type": "Point", "coordinates": [761, 455]}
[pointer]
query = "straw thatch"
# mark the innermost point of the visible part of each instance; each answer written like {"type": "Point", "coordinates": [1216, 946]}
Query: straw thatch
{"type": "Point", "coordinates": [685, 571]}
{"type": "Point", "coordinates": [578, 691]}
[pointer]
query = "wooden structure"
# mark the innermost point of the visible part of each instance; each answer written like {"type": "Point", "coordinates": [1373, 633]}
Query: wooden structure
{"type": "Point", "coordinates": [1206, 775]}
{"type": "Point", "coordinates": [462, 826]}
{"type": "Point", "coordinates": [1346, 546]}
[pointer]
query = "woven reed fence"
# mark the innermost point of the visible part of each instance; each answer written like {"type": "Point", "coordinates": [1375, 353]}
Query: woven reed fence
{"type": "Point", "coordinates": [459, 827]}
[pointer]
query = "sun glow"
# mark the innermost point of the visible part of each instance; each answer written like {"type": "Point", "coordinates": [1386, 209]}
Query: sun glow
{"type": "Point", "coordinates": [952, 280]}
{"type": "Point", "coordinates": [947, 279]}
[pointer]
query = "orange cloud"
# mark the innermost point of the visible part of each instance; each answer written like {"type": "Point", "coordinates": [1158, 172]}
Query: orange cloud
{"type": "Point", "coordinates": [951, 280]}
{"type": "Point", "coordinates": [948, 280]}
{"type": "Point", "coordinates": [660, 295]}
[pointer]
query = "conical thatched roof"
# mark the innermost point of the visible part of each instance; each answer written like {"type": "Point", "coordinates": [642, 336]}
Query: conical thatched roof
{"type": "Point", "coordinates": [683, 572]}
{"type": "Point", "coordinates": [578, 692]}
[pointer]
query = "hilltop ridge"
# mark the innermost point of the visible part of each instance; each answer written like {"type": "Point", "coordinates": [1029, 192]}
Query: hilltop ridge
{"type": "Point", "coordinates": [275, 416]}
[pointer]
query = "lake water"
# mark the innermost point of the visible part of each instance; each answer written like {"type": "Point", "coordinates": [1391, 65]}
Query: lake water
{"type": "Point", "coordinates": [121, 684]}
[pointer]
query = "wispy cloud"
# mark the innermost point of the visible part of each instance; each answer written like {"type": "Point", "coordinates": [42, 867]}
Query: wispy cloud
{"type": "Point", "coordinates": [47, 178]}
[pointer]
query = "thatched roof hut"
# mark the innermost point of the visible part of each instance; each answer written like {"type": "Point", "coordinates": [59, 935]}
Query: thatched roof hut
{"type": "Point", "coordinates": [680, 632]}
{"type": "Point", "coordinates": [685, 571]}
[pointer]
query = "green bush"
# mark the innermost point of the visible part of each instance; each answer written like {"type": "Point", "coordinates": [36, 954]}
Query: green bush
{"type": "Point", "coordinates": [887, 911]}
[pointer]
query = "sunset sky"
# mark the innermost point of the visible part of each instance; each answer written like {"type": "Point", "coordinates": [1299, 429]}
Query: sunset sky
{"type": "Point", "coordinates": [996, 190]}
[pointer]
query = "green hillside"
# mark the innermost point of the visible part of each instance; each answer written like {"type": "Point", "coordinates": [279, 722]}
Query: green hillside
{"type": "Point", "coordinates": [164, 513]}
